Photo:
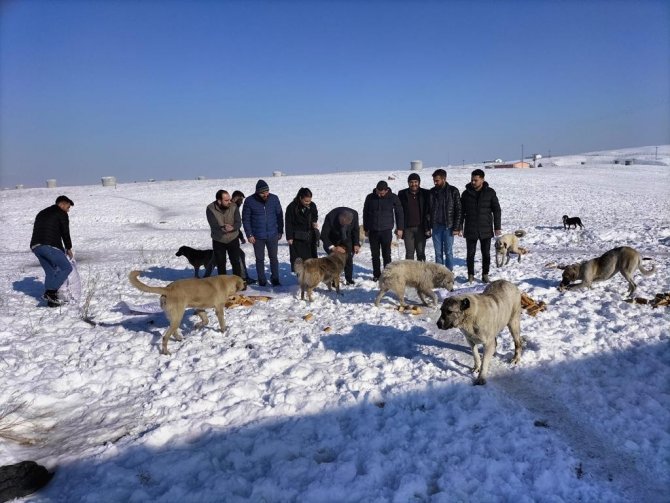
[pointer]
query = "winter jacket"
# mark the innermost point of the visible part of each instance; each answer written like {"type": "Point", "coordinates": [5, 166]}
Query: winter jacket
{"type": "Point", "coordinates": [481, 212]}
{"type": "Point", "coordinates": [334, 234]}
{"type": "Point", "coordinates": [424, 206]}
{"type": "Point", "coordinates": [445, 207]}
{"type": "Point", "coordinates": [217, 216]}
{"type": "Point", "coordinates": [262, 219]}
{"type": "Point", "coordinates": [299, 220]}
{"type": "Point", "coordinates": [52, 228]}
{"type": "Point", "coordinates": [379, 212]}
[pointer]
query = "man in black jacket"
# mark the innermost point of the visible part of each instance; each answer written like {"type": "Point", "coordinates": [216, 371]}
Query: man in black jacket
{"type": "Point", "coordinates": [445, 216]}
{"type": "Point", "coordinates": [52, 246]}
{"type": "Point", "coordinates": [416, 211]}
{"type": "Point", "coordinates": [341, 229]}
{"type": "Point", "coordinates": [380, 210]}
{"type": "Point", "coordinates": [481, 218]}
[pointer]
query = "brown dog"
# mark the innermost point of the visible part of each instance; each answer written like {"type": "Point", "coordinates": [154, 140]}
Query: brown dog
{"type": "Point", "coordinates": [313, 271]}
{"type": "Point", "coordinates": [481, 317]}
{"type": "Point", "coordinates": [198, 258]}
{"type": "Point", "coordinates": [198, 293]}
{"type": "Point", "coordinates": [623, 259]}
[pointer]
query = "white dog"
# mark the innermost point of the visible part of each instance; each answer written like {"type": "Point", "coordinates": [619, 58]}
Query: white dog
{"type": "Point", "coordinates": [509, 243]}
{"type": "Point", "coordinates": [424, 276]}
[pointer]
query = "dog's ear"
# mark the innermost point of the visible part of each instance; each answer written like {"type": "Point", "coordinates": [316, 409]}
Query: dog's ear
{"type": "Point", "coordinates": [465, 304]}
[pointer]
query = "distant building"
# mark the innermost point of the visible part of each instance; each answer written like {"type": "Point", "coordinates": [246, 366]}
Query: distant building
{"type": "Point", "coordinates": [520, 164]}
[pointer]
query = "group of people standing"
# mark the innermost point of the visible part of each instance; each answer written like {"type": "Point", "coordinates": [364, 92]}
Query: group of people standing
{"type": "Point", "coordinates": [440, 213]}
{"type": "Point", "coordinates": [416, 214]}
{"type": "Point", "coordinates": [443, 213]}
{"type": "Point", "coordinates": [264, 223]}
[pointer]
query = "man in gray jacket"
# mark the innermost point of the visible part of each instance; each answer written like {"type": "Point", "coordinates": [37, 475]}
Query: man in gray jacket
{"type": "Point", "coordinates": [224, 220]}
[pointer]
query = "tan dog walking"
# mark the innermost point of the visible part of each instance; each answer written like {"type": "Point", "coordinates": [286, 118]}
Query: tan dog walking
{"type": "Point", "coordinates": [212, 292]}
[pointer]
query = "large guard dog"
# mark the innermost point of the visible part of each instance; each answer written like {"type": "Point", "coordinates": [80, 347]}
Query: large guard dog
{"type": "Point", "coordinates": [313, 271]}
{"type": "Point", "coordinates": [509, 243]}
{"type": "Point", "coordinates": [198, 258]}
{"type": "Point", "coordinates": [424, 276]}
{"type": "Point", "coordinates": [481, 317]}
{"type": "Point", "coordinates": [198, 293]}
{"type": "Point", "coordinates": [572, 221]}
{"type": "Point", "coordinates": [622, 259]}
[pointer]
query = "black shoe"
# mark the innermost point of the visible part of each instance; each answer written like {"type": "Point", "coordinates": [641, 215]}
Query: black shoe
{"type": "Point", "coordinates": [375, 278]}
{"type": "Point", "coordinates": [251, 281]}
{"type": "Point", "coordinates": [262, 283]}
{"type": "Point", "coordinates": [350, 282]}
{"type": "Point", "coordinates": [485, 278]}
{"type": "Point", "coordinates": [275, 282]}
{"type": "Point", "coordinates": [51, 296]}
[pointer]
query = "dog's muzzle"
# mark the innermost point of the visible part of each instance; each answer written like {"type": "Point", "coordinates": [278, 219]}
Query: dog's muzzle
{"type": "Point", "coordinates": [443, 325]}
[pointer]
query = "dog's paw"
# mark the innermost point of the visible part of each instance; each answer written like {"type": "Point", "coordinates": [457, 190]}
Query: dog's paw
{"type": "Point", "coordinates": [480, 381]}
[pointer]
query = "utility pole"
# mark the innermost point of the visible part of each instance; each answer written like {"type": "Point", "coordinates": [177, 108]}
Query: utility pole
{"type": "Point", "coordinates": [522, 154]}
{"type": "Point", "coordinates": [656, 157]}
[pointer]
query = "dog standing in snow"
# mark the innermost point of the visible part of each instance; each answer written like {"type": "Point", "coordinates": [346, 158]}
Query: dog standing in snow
{"type": "Point", "coordinates": [623, 259]}
{"type": "Point", "coordinates": [481, 317]}
{"type": "Point", "coordinates": [509, 243]}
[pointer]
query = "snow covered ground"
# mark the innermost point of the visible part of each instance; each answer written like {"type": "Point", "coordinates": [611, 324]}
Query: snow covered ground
{"type": "Point", "coordinates": [358, 403]}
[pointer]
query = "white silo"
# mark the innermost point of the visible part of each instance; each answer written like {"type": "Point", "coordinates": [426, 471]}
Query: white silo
{"type": "Point", "coordinates": [416, 165]}
{"type": "Point", "coordinates": [108, 181]}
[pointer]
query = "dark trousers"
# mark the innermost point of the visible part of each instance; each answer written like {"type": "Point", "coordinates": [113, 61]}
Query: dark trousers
{"type": "Point", "coordinates": [485, 245]}
{"type": "Point", "coordinates": [231, 249]}
{"type": "Point", "coordinates": [243, 265]}
{"type": "Point", "coordinates": [415, 240]}
{"type": "Point", "coordinates": [380, 240]}
{"type": "Point", "coordinates": [272, 244]}
{"type": "Point", "coordinates": [303, 249]}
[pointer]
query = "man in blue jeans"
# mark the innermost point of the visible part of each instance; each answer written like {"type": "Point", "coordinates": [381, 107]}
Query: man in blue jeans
{"type": "Point", "coordinates": [52, 246]}
{"type": "Point", "coordinates": [263, 221]}
{"type": "Point", "coordinates": [445, 217]}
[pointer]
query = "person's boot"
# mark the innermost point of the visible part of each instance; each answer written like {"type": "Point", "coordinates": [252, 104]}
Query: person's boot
{"type": "Point", "coordinates": [485, 278]}
{"type": "Point", "coordinates": [471, 278]}
{"type": "Point", "coordinates": [51, 296]}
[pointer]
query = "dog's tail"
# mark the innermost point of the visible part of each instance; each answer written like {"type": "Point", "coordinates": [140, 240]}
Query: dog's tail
{"type": "Point", "coordinates": [646, 272]}
{"type": "Point", "coordinates": [132, 276]}
{"type": "Point", "coordinates": [519, 233]}
{"type": "Point", "coordinates": [298, 267]}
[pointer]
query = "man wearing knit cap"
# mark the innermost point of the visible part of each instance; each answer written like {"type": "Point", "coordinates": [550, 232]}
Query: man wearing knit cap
{"type": "Point", "coordinates": [263, 221]}
{"type": "Point", "coordinates": [416, 209]}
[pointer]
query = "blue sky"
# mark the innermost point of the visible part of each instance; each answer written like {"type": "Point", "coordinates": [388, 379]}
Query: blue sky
{"type": "Point", "coordinates": [177, 89]}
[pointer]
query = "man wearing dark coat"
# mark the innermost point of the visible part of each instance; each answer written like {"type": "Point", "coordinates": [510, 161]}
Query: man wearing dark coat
{"type": "Point", "coordinates": [416, 211]}
{"type": "Point", "coordinates": [263, 222]}
{"type": "Point", "coordinates": [445, 215]}
{"type": "Point", "coordinates": [341, 229]}
{"type": "Point", "coordinates": [52, 246]}
{"type": "Point", "coordinates": [480, 219]}
{"type": "Point", "coordinates": [381, 209]}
